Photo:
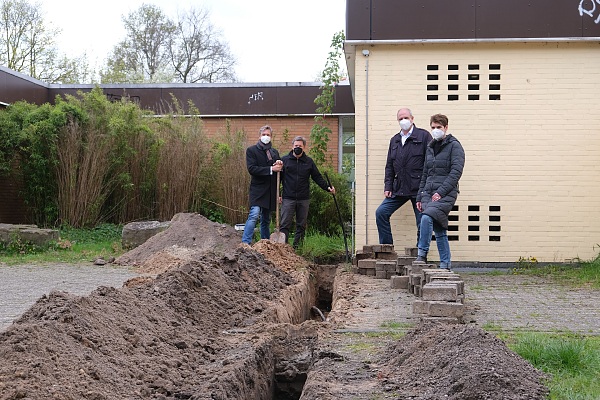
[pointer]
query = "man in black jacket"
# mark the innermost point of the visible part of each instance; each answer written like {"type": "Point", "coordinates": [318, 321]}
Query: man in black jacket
{"type": "Point", "coordinates": [263, 163]}
{"type": "Point", "coordinates": [403, 170]}
{"type": "Point", "coordinates": [298, 168]}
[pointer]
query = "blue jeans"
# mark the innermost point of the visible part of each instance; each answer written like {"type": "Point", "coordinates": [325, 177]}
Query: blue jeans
{"type": "Point", "coordinates": [441, 238]}
{"type": "Point", "coordinates": [265, 219]}
{"type": "Point", "coordinates": [385, 211]}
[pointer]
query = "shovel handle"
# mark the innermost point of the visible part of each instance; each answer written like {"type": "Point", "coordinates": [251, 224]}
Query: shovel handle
{"type": "Point", "coordinates": [341, 221]}
{"type": "Point", "coordinates": [277, 203]}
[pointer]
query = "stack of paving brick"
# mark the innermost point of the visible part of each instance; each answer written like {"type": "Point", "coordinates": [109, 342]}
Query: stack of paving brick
{"type": "Point", "coordinates": [440, 292]}
{"type": "Point", "coordinates": [378, 261]}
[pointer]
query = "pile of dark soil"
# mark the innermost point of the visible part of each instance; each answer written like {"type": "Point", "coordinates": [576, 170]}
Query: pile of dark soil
{"type": "Point", "coordinates": [458, 362]}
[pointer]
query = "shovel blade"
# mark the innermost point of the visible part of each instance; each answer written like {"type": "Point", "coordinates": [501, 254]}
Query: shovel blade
{"type": "Point", "coordinates": [277, 237]}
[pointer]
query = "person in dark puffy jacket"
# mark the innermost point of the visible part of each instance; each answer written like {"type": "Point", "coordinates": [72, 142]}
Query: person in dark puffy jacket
{"type": "Point", "coordinates": [438, 190]}
{"type": "Point", "coordinates": [403, 170]}
{"type": "Point", "coordinates": [298, 169]}
{"type": "Point", "coordinates": [263, 163]}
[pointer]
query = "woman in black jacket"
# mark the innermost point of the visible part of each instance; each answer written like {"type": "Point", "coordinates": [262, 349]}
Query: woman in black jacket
{"type": "Point", "coordinates": [444, 163]}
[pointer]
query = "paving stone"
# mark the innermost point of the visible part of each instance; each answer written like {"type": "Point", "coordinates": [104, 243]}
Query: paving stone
{"type": "Point", "coordinates": [399, 282]}
{"type": "Point", "coordinates": [387, 256]}
{"type": "Point", "coordinates": [439, 292]}
{"type": "Point", "coordinates": [411, 251]}
{"type": "Point", "coordinates": [368, 263]}
{"type": "Point", "coordinates": [405, 260]}
{"type": "Point", "coordinates": [445, 309]}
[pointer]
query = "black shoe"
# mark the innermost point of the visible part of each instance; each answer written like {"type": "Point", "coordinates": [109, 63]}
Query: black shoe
{"type": "Point", "coordinates": [422, 258]}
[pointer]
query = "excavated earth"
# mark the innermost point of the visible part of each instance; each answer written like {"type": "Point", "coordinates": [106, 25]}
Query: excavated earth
{"type": "Point", "coordinates": [208, 318]}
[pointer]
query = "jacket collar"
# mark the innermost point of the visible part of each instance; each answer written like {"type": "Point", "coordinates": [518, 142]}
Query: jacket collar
{"type": "Point", "coordinates": [445, 140]}
{"type": "Point", "coordinates": [398, 136]}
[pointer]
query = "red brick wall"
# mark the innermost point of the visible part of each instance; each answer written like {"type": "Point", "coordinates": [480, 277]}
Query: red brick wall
{"type": "Point", "coordinates": [295, 126]}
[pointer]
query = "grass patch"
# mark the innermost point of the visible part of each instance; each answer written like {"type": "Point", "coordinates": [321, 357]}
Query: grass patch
{"type": "Point", "coordinates": [73, 246]}
{"type": "Point", "coordinates": [571, 361]}
{"type": "Point", "coordinates": [363, 346]}
{"type": "Point", "coordinates": [582, 274]}
{"type": "Point", "coordinates": [371, 342]}
{"type": "Point", "coordinates": [477, 288]}
{"type": "Point", "coordinates": [323, 249]}
{"type": "Point", "coordinates": [492, 327]}
{"type": "Point", "coordinates": [395, 325]}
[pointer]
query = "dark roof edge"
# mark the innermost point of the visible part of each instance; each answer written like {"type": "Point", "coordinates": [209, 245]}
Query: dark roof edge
{"type": "Point", "coordinates": [23, 76]}
{"type": "Point", "coordinates": [486, 40]}
{"type": "Point", "coordinates": [189, 85]}
{"type": "Point", "coordinates": [255, 115]}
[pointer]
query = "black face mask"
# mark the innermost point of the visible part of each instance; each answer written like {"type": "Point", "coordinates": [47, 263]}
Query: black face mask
{"type": "Point", "coordinates": [297, 151]}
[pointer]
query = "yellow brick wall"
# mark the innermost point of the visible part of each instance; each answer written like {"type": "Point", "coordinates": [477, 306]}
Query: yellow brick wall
{"type": "Point", "coordinates": [535, 153]}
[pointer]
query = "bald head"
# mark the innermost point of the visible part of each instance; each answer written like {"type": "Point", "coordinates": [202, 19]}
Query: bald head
{"type": "Point", "coordinates": [405, 119]}
{"type": "Point", "coordinates": [404, 111]}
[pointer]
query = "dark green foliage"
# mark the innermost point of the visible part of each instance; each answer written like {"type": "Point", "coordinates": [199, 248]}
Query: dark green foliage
{"type": "Point", "coordinates": [101, 233]}
{"type": "Point", "coordinates": [323, 216]}
{"type": "Point", "coordinates": [34, 132]}
{"type": "Point", "coordinates": [16, 246]}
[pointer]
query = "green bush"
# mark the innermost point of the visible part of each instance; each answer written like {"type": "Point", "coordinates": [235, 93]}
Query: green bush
{"type": "Point", "coordinates": [323, 216]}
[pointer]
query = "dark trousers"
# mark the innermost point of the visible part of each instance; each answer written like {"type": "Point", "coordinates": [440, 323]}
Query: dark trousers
{"type": "Point", "coordinates": [385, 211]}
{"type": "Point", "coordinates": [299, 209]}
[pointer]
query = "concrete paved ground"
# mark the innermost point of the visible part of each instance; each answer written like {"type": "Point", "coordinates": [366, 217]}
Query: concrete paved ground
{"type": "Point", "coordinates": [22, 285]}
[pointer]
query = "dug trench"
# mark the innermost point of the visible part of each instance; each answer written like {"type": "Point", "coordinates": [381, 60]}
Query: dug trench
{"type": "Point", "coordinates": [212, 319]}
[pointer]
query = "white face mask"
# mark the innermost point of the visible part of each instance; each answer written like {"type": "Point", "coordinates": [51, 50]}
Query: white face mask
{"type": "Point", "coordinates": [405, 124]}
{"type": "Point", "coordinates": [265, 139]}
{"type": "Point", "coordinates": [437, 134]}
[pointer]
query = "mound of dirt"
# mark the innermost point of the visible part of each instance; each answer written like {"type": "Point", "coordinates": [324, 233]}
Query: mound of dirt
{"type": "Point", "coordinates": [188, 237]}
{"type": "Point", "coordinates": [458, 362]}
{"type": "Point", "coordinates": [168, 337]}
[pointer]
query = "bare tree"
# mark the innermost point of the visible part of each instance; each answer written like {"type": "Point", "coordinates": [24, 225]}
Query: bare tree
{"type": "Point", "coordinates": [143, 55]}
{"type": "Point", "coordinates": [197, 52]}
{"type": "Point", "coordinates": [27, 45]}
{"type": "Point", "coordinates": [157, 49]}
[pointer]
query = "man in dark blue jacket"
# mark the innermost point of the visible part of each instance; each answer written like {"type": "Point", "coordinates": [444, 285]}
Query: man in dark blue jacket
{"type": "Point", "coordinates": [263, 164]}
{"type": "Point", "coordinates": [403, 170]}
{"type": "Point", "coordinates": [298, 168]}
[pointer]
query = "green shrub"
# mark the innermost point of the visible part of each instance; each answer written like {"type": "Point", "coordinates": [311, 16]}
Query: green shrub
{"type": "Point", "coordinates": [323, 216]}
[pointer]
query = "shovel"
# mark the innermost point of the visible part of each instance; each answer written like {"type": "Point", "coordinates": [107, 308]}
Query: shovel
{"type": "Point", "coordinates": [277, 237]}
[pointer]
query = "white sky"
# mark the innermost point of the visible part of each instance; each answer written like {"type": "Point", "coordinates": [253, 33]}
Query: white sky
{"type": "Point", "coordinates": [272, 40]}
